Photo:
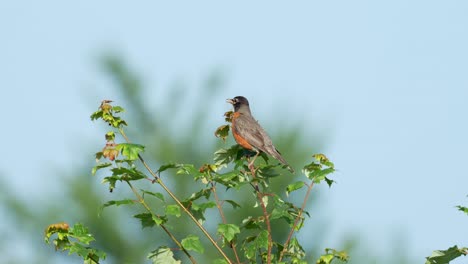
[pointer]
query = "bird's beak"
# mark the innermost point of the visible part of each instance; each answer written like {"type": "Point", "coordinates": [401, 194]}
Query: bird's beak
{"type": "Point", "coordinates": [230, 101]}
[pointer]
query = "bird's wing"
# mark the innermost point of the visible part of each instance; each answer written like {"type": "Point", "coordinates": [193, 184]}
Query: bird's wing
{"type": "Point", "coordinates": [248, 128]}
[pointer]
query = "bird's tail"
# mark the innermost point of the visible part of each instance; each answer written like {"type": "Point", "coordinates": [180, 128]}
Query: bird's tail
{"type": "Point", "coordinates": [280, 158]}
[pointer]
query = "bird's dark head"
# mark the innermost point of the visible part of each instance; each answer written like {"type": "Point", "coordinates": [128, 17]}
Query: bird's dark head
{"type": "Point", "coordinates": [240, 103]}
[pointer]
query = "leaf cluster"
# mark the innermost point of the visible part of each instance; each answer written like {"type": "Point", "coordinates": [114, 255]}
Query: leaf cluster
{"type": "Point", "coordinates": [250, 240]}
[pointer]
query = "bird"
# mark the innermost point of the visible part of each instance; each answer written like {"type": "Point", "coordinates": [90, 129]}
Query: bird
{"type": "Point", "coordinates": [248, 133]}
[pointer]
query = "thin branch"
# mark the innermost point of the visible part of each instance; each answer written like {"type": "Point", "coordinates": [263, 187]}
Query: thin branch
{"type": "Point", "coordinates": [296, 221]}
{"type": "Point", "coordinates": [223, 218]}
{"type": "Point", "coordinates": [260, 196]}
{"type": "Point", "coordinates": [159, 181]}
{"type": "Point", "coordinates": [143, 202]}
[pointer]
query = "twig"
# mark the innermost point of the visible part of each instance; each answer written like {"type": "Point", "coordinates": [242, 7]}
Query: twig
{"type": "Point", "coordinates": [220, 209]}
{"type": "Point", "coordinates": [142, 201]}
{"type": "Point", "coordinates": [296, 221]}
{"type": "Point", "coordinates": [159, 181]}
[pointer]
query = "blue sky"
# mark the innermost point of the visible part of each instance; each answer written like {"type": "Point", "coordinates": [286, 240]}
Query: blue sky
{"type": "Point", "coordinates": [388, 79]}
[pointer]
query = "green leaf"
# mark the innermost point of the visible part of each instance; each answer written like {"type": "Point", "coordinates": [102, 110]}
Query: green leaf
{"type": "Point", "coordinates": [117, 109]}
{"type": "Point", "coordinates": [249, 248]}
{"type": "Point", "coordinates": [445, 256]}
{"type": "Point", "coordinates": [251, 223]}
{"type": "Point", "coordinates": [202, 193]}
{"type": "Point", "coordinates": [167, 166]}
{"type": "Point", "coordinates": [81, 233]}
{"type": "Point", "coordinates": [318, 170]}
{"type": "Point", "coordinates": [262, 239]}
{"type": "Point", "coordinates": [130, 150]}
{"type": "Point", "coordinates": [222, 132]}
{"type": "Point", "coordinates": [463, 209]}
{"type": "Point", "coordinates": [234, 204]}
{"type": "Point", "coordinates": [228, 231]}
{"type": "Point", "coordinates": [173, 209]}
{"type": "Point", "coordinates": [331, 254]}
{"type": "Point", "coordinates": [96, 115]}
{"type": "Point", "coordinates": [110, 136]}
{"type": "Point", "coordinates": [225, 156]}
{"type": "Point", "coordinates": [126, 174]}
{"type": "Point", "coordinates": [188, 169]}
{"type": "Point", "coordinates": [117, 203]}
{"type": "Point", "coordinates": [100, 166]}
{"type": "Point", "coordinates": [294, 187]}
{"type": "Point", "coordinates": [160, 196]}
{"type": "Point", "coordinates": [192, 242]}
{"type": "Point", "coordinates": [148, 220]}
{"type": "Point", "coordinates": [162, 255]}
{"type": "Point", "coordinates": [203, 206]}
{"type": "Point", "coordinates": [268, 171]}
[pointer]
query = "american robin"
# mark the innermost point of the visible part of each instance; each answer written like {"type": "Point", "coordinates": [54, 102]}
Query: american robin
{"type": "Point", "coordinates": [249, 134]}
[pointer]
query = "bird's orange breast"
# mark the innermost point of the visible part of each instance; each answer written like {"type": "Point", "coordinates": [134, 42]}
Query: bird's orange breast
{"type": "Point", "coordinates": [239, 139]}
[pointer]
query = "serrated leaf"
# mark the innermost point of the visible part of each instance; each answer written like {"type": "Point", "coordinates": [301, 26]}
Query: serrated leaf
{"type": "Point", "coordinates": [173, 209]}
{"type": "Point", "coordinates": [188, 169]}
{"type": "Point", "coordinates": [445, 256]}
{"type": "Point", "coordinates": [130, 150]}
{"type": "Point", "coordinates": [228, 231]}
{"type": "Point", "coordinates": [100, 166]}
{"type": "Point", "coordinates": [192, 242]}
{"type": "Point", "coordinates": [126, 174]}
{"type": "Point", "coordinates": [222, 132]}
{"type": "Point", "coordinates": [294, 187]}
{"type": "Point", "coordinates": [162, 255]}
{"type": "Point", "coordinates": [225, 156]}
{"type": "Point", "coordinates": [96, 115]}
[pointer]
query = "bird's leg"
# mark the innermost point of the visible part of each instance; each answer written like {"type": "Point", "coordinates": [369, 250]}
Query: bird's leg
{"type": "Point", "coordinates": [251, 163]}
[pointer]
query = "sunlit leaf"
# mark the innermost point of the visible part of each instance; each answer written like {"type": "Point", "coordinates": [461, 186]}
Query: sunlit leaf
{"type": "Point", "coordinates": [228, 231]}
{"type": "Point", "coordinates": [294, 186]}
{"type": "Point", "coordinates": [162, 255]}
{"type": "Point", "coordinates": [130, 150]}
{"type": "Point", "coordinates": [173, 209]}
{"type": "Point", "coordinates": [192, 242]}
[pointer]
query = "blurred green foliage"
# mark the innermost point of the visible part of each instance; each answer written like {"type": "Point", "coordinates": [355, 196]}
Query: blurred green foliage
{"type": "Point", "coordinates": [173, 128]}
